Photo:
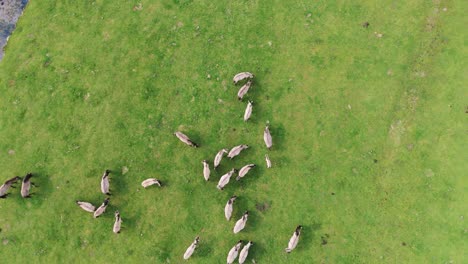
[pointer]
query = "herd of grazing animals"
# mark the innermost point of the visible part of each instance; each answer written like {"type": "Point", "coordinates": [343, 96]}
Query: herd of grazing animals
{"type": "Point", "coordinates": [105, 189]}
{"type": "Point", "coordinates": [234, 252]}
{"type": "Point", "coordinates": [224, 180]}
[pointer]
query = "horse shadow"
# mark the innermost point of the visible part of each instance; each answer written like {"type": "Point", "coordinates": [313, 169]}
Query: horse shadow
{"type": "Point", "coordinates": [308, 234]}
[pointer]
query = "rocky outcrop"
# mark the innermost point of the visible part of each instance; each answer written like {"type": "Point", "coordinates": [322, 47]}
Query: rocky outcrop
{"type": "Point", "coordinates": [10, 11]}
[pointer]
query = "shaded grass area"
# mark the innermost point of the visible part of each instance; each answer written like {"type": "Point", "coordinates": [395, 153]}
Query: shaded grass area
{"type": "Point", "coordinates": [369, 135]}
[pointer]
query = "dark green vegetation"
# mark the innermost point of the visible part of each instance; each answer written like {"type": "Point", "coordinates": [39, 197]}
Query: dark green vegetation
{"type": "Point", "coordinates": [370, 133]}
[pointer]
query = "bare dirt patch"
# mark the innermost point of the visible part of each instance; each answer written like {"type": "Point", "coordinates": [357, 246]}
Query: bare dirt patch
{"type": "Point", "coordinates": [397, 129]}
{"type": "Point", "coordinates": [262, 207]}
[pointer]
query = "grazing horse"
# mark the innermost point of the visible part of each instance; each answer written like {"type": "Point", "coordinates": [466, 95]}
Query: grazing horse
{"type": "Point", "coordinates": [248, 111]}
{"type": "Point", "coordinates": [243, 90]}
{"type": "Point", "coordinates": [101, 209]}
{"type": "Point", "coordinates": [188, 253]}
{"type": "Point", "coordinates": [267, 137]}
{"type": "Point", "coordinates": [294, 239]}
{"type": "Point", "coordinates": [117, 223]}
{"type": "Point", "coordinates": [225, 179]}
{"type": "Point", "coordinates": [6, 186]}
{"type": "Point", "coordinates": [234, 252]}
{"type": "Point", "coordinates": [88, 207]}
{"type": "Point", "coordinates": [206, 170]}
{"type": "Point", "coordinates": [236, 150]}
{"type": "Point", "coordinates": [244, 252]}
{"type": "Point", "coordinates": [105, 182]}
{"type": "Point", "coordinates": [219, 156]}
{"type": "Point", "coordinates": [229, 207]}
{"type": "Point", "coordinates": [244, 170]}
{"type": "Point", "coordinates": [242, 76]}
{"type": "Point", "coordinates": [151, 181]}
{"type": "Point", "coordinates": [240, 224]}
{"type": "Point", "coordinates": [26, 186]}
{"type": "Point", "coordinates": [185, 139]}
{"type": "Point", "coordinates": [268, 161]}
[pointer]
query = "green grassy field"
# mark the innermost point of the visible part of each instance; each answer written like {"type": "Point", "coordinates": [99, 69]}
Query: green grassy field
{"type": "Point", "coordinates": [370, 134]}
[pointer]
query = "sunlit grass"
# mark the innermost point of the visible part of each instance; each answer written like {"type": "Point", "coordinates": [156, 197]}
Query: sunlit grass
{"type": "Point", "coordinates": [368, 136]}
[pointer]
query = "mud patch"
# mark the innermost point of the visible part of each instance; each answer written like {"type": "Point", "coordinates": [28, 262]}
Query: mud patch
{"type": "Point", "coordinates": [413, 101]}
{"type": "Point", "coordinates": [429, 173]}
{"type": "Point", "coordinates": [138, 7]}
{"type": "Point", "coordinates": [410, 147]}
{"type": "Point", "coordinates": [262, 207]}
{"type": "Point", "coordinates": [378, 35]}
{"type": "Point", "coordinates": [431, 23]}
{"type": "Point", "coordinates": [325, 239]}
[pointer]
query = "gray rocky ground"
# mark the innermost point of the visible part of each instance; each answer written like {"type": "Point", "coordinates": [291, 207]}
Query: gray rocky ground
{"type": "Point", "coordinates": [10, 11]}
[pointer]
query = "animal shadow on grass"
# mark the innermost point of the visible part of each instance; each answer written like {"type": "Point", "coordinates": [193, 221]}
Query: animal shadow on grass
{"type": "Point", "coordinates": [252, 176]}
{"type": "Point", "coordinates": [256, 251]}
{"type": "Point", "coordinates": [118, 182]}
{"type": "Point", "coordinates": [263, 206]}
{"type": "Point", "coordinates": [257, 116]}
{"type": "Point", "coordinates": [129, 221]}
{"type": "Point", "coordinates": [203, 250]}
{"type": "Point", "coordinates": [261, 111]}
{"type": "Point", "coordinates": [255, 90]}
{"type": "Point", "coordinates": [307, 235]}
{"type": "Point", "coordinates": [194, 136]}
{"type": "Point", "coordinates": [223, 168]}
{"type": "Point", "coordinates": [240, 206]}
{"type": "Point", "coordinates": [278, 134]}
{"type": "Point", "coordinates": [253, 221]}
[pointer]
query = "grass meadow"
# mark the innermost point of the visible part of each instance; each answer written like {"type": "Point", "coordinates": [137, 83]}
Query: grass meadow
{"type": "Point", "coordinates": [369, 131]}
